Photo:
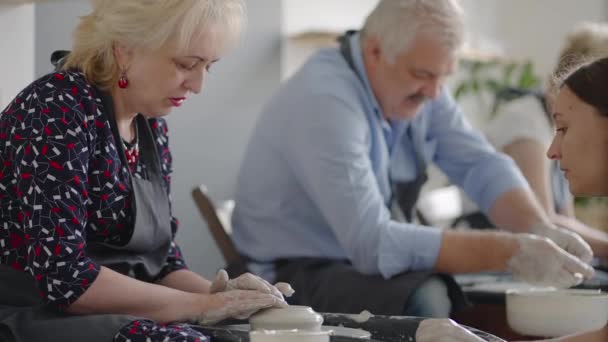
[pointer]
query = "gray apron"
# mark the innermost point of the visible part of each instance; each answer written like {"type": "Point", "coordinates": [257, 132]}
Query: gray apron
{"type": "Point", "coordinates": [24, 317]}
{"type": "Point", "coordinates": [336, 286]}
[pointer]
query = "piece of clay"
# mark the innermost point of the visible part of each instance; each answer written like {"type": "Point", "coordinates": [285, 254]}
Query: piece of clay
{"type": "Point", "coordinates": [291, 317]}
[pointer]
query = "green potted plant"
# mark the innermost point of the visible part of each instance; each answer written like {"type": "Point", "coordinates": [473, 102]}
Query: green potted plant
{"type": "Point", "coordinates": [492, 76]}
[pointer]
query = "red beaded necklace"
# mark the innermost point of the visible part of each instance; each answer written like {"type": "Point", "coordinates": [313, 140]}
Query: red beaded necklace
{"type": "Point", "coordinates": [131, 153]}
{"type": "Point", "coordinates": [132, 150]}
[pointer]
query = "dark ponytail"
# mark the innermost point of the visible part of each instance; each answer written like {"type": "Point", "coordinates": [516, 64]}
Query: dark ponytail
{"type": "Point", "coordinates": [590, 83]}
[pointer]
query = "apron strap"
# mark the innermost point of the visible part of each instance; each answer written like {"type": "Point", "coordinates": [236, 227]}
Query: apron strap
{"type": "Point", "coordinates": [346, 52]}
{"type": "Point", "coordinates": [145, 254]}
{"type": "Point", "coordinates": [150, 155]}
{"type": "Point", "coordinates": [405, 193]}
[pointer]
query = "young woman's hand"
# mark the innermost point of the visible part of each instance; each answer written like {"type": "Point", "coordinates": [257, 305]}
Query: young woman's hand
{"type": "Point", "coordinates": [566, 239]}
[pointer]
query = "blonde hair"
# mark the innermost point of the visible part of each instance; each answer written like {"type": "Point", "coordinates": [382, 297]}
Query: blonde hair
{"type": "Point", "coordinates": [147, 24]}
{"type": "Point", "coordinates": [585, 43]}
{"type": "Point", "coordinates": [397, 22]}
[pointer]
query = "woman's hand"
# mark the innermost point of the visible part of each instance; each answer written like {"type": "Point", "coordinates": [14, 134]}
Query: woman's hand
{"type": "Point", "coordinates": [249, 281]}
{"type": "Point", "coordinates": [238, 304]}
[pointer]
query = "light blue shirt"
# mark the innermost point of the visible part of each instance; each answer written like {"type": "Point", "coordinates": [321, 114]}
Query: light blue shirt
{"type": "Point", "coordinates": [316, 178]}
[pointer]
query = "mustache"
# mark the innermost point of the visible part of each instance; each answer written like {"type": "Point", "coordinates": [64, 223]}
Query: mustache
{"type": "Point", "coordinates": [417, 97]}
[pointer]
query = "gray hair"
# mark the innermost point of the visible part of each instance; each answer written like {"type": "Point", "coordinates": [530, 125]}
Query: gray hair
{"type": "Point", "coordinates": [396, 23]}
{"type": "Point", "coordinates": [147, 24]}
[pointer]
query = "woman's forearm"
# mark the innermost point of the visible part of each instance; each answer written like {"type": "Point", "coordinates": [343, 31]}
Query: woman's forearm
{"type": "Point", "coordinates": [598, 240]}
{"type": "Point", "coordinates": [186, 280]}
{"type": "Point", "coordinates": [114, 293]}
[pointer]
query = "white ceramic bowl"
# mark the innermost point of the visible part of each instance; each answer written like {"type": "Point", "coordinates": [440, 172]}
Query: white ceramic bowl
{"type": "Point", "coordinates": [553, 313]}
{"type": "Point", "coordinates": [291, 317]}
{"type": "Point", "coordinates": [288, 336]}
{"type": "Point", "coordinates": [351, 333]}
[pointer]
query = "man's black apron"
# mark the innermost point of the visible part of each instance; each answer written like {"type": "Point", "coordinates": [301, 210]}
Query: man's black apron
{"type": "Point", "coordinates": [336, 286]}
{"type": "Point", "coordinates": [23, 316]}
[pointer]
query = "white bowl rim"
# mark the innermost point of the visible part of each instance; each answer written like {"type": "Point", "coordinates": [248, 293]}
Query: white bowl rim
{"type": "Point", "coordinates": [290, 332]}
{"type": "Point", "coordinates": [544, 292]}
{"type": "Point", "coordinates": [292, 308]}
{"type": "Point", "coordinates": [303, 311]}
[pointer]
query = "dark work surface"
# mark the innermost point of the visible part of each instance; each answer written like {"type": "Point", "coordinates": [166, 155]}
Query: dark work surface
{"type": "Point", "coordinates": [467, 282]}
{"type": "Point", "coordinates": [388, 328]}
{"type": "Point", "coordinates": [382, 328]}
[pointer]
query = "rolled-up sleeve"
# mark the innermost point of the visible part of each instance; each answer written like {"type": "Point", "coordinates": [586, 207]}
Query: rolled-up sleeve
{"type": "Point", "coordinates": [329, 152]}
{"type": "Point", "coordinates": [467, 158]}
{"type": "Point", "coordinates": [52, 158]}
{"type": "Point", "coordinates": [423, 244]}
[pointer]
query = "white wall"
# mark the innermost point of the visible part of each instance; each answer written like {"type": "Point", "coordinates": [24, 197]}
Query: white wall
{"type": "Point", "coordinates": [516, 28]}
{"type": "Point", "coordinates": [316, 15]}
{"type": "Point", "coordinates": [523, 30]}
{"type": "Point", "coordinates": [55, 21]}
{"type": "Point", "coordinates": [341, 15]}
{"type": "Point", "coordinates": [333, 15]}
{"type": "Point", "coordinates": [528, 29]}
{"type": "Point", "coordinates": [536, 29]}
{"type": "Point", "coordinates": [209, 133]}
{"type": "Point", "coordinates": [16, 49]}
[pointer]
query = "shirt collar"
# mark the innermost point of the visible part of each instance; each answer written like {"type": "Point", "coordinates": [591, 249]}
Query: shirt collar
{"type": "Point", "coordinates": [357, 55]}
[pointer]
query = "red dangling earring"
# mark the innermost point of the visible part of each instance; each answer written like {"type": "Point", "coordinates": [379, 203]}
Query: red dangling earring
{"type": "Point", "coordinates": [123, 81]}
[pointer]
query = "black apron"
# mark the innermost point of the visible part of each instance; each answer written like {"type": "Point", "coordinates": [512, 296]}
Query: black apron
{"type": "Point", "coordinates": [405, 194]}
{"type": "Point", "coordinates": [336, 286]}
{"type": "Point", "coordinates": [24, 317]}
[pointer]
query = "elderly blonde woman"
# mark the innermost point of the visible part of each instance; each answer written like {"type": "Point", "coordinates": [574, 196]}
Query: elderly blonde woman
{"type": "Point", "coordinates": [88, 236]}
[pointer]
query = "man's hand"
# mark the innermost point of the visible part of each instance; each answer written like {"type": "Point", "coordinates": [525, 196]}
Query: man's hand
{"type": "Point", "coordinates": [540, 261]}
